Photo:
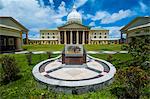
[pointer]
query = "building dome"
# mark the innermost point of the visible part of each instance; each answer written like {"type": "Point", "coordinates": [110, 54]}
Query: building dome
{"type": "Point", "coordinates": [74, 16]}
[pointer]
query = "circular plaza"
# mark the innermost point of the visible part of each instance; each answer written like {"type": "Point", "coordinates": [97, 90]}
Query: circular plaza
{"type": "Point", "coordinates": [75, 79]}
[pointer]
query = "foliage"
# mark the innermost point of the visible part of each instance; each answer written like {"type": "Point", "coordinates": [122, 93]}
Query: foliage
{"type": "Point", "coordinates": [10, 69]}
{"type": "Point", "coordinates": [139, 48]}
{"type": "Point", "coordinates": [49, 54]}
{"type": "Point", "coordinates": [124, 47]}
{"type": "Point", "coordinates": [29, 58]}
{"type": "Point", "coordinates": [28, 87]}
{"type": "Point", "coordinates": [133, 80]}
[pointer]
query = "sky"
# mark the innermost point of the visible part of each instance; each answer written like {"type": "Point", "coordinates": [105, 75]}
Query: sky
{"type": "Point", "coordinates": [47, 14]}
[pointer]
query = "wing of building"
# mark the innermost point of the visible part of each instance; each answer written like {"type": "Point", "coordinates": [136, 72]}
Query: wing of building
{"type": "Point", "coordinates": [11, 32]}
{"type": "Point", "coordinates": [73, 32]}
{"type": "Point", "coordinates": [140, 26]}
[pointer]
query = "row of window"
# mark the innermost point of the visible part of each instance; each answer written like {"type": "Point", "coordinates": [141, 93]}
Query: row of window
{"type": "Point", "coordinates": [48, 33]}
{"type": "Point", "coordinates": [48, 37]}
{"type": "Point", "coordinates": [100, 37]}
{"type": "Point", "coordinates": [99, 33]}
{"type": "Point", "coordinates": [54, 33]}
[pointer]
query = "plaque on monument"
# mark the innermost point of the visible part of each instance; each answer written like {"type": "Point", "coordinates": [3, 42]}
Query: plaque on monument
{"type": "Point", "coordinates": [74, 55]}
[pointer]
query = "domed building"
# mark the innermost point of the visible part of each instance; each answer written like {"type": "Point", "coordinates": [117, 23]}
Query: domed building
{"type": "Point", "coordinates": [73, 32]}
{"type": "Point", "coordinates": [74, 16]}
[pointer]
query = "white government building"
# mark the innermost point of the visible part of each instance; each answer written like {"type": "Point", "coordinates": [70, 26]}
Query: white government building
{"type": "Point", "coordinates": [73, 32]}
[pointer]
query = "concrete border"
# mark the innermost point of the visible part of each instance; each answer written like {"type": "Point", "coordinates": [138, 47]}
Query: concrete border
{"type": "Point", "coordinates": [75, 86]}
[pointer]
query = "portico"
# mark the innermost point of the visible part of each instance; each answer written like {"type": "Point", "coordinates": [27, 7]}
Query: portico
{"type": "Point", "coordinates": [74, 37]}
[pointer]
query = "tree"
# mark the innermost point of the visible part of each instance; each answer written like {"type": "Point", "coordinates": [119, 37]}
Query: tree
{"type": "Point", "coordinates": [139, 48]}
{"type": "Point", "coordinates": [133, 80]}
{"type": "Point", "coordinates": [10, 69]}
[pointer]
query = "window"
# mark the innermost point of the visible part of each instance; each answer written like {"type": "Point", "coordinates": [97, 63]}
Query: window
{"type": "Point", "coordinates": [53, 33]}
{"type": "Point", "coordinates": [94, 36]}
{"type": "Point", "coordinates": [48, 37]}
{"type": "Point", "coordinates": [42, 36]}
{"type": "Point", "coordinates": [95, 33]}
{"type": "Point", "coordinates": [105, 33]}
{"type": "Point", "coordinates": [100, 33]}
{"type": "Point", "coordinates": [48, 33]}
{"type": "Point", "coordinates": [53, 37]}
{"type": "Point", "coordinates": [42, 33]}
{"type": "Point", "coordinates": [105, 37]}
{"type": "Point", "coordinates": [100, 37]}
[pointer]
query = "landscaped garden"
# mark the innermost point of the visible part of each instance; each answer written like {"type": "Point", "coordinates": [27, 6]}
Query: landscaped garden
{"type": "Point", "coordinates": [27, 87]}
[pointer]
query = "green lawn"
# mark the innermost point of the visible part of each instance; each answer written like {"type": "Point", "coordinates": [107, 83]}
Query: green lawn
{"type": "Point", "coordinates": [28, 87]}
{"type": "Point", "coordinates": [43, 47]}
{"type": "Point", "coordinates": [114, 47]}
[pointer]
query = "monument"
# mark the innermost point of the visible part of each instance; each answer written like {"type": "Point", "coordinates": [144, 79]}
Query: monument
{"type": "Point", "coordinates": [74, 55]}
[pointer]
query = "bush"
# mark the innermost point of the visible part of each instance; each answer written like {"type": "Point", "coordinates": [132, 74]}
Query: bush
{"type": "Point", "coordinates": [29, 58]}
{"type": "Point", "coordinates": [9, 68]}
{"type": "Point", "coordinates": [49, 54]}
{"type": "Point", "coordinates": [124, 47]}
{"type": "Point", "coordinates": [133, 79]}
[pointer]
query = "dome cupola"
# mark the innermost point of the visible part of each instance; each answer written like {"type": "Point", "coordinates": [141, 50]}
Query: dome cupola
{"type": "Point", "coordinates": [74, 16]}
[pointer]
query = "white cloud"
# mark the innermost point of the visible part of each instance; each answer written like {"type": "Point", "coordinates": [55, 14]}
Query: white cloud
{"type": "Point", "coordinates": [105, 18]}
{"type": "Point", "coordinates": [32, 15]}
{"type": "Point", "coordinates": [100, 15]}
{"type": "Point", "coordinates": [92, 24]}
{"type": "Point", "coordinates": [80, 3]}
{"type": "Point", "coordinates": [143, 6]}
{"type": "Point", "coordinates": [114, 31]}
{"type": "Point", "coordinates": [116, 16]}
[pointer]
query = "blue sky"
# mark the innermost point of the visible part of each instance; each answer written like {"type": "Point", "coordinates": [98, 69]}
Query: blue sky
{"type": "Point", "coordinates": [46, 14]}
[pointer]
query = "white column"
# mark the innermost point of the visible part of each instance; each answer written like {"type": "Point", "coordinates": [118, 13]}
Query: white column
{"type": "Point", "coordinates": [83, 36]}
{"type": "Point", "coordinates": [77, 37]}
{"type": "Point", "coordinates": [59, 37]}
{"type": "Point", "coordinates": [18, 41]}
{"type": "Point", "coordinates": [70, 37]}
{"type": "Point", "coordinates": [64, 37]}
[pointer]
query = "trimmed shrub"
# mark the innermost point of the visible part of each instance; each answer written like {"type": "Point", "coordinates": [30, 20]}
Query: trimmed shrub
{"type": "Point", "coordinates": [9, 68]}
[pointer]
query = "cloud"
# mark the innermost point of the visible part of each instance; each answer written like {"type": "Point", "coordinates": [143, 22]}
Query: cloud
{"type": "Point", "coordinates": [92, 24]}
{"type": "Point", "coordinates": [114, 31]}
{"type": "Point", "coordinates": [105, 17]}
{"type": "Point", "coordinates": [143, 6]}
{"type": "Point", "coordinates": [116, 16]}
{"type": "Point", "coordinates": [35, 16]}
{"type": "Point", "coordinates": [80, 3]}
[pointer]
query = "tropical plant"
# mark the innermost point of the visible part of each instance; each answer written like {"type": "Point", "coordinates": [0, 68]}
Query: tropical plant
{"type": "Point", "coordinates": [29, 58]}
{"type": "Point", "coordinates": [139, 48]}
{"type": "Point", "coordinates": [133, 80]}
{"type": "Point", "coordinates": [49, 54]}
{"type": "Point", "coordinates": [10, 69]}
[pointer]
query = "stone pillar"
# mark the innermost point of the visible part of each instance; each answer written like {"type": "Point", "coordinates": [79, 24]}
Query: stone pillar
{"type": "Point", "coordinates": [21, 38]}
{"type": "Point", "coordinates": [83, 36]}
{"type": "Point", "coordinates": [89, 42]}
{"type": "Point", "coordinates": [27, 38]}
{"type": "Point", "coordinates": [77, 37]}
{"type": "Point", "coordinates": [59, 37]}
{"type": "Point", "coordinates": [70, 37]}
{"type": "Point", "coordinates": [64, 37]}
{"type": "Point", "coordinates": [18, 45]}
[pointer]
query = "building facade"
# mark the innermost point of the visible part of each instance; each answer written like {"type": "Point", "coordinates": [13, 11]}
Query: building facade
{"type": "Point", "coordinates": [138, 27]}
{"type": "Point", "coordinates": [73, 32]}
{"type": "Point", "coordinates": [11, 33]}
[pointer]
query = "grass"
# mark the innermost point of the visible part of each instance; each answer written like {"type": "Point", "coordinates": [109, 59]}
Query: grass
{"type": "Point", "coordinates": [43, 47]}
{"type": "Point", "coordinates": [113, 47]}
{"type": "Point", "coordinates": [28, 87]}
